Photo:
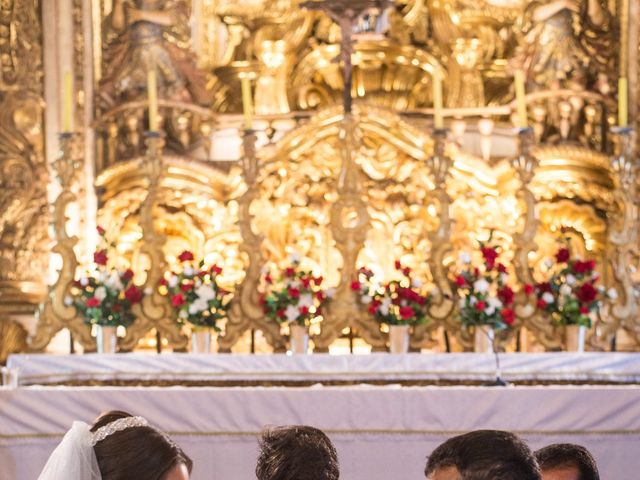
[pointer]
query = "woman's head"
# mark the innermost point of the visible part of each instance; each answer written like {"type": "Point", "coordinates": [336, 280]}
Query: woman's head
{"type": "Point", "coordinates": [138, 451]}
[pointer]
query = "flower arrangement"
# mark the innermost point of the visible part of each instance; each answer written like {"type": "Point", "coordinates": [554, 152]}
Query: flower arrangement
{"type": "Point", "coordinates": [296, 296]}
{"type": "Point", "coordinates": [105, 297]}
{"type": "Point", "coordinates": [570, 294]}
{"type": "Point", "coordinates": [195, 293]}
{"type": "Point", "coordinates": [485, 296]}
{"type": "Point", "coordinates": [398, 302]}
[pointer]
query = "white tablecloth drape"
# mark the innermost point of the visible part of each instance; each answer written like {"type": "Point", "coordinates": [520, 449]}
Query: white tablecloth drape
{"type": "Point", "coordinates": [381, 432]}
{"type": "Point", "coordinates": [547, 367]}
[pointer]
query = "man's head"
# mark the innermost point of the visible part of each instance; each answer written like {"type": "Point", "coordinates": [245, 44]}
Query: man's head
{"type": "Point", "coordinates": [566, 461]}
{"type": "Point", "coordinates": [483, 455]}
{"type": "Point", "coordinates": [296, 453]}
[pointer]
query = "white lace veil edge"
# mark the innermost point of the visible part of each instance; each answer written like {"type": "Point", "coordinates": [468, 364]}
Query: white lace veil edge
{"type": "Point", "coordinates": [73, 458]}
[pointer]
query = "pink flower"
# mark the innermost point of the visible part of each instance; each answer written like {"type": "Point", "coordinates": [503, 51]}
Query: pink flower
{"type": "Point", "coordinates": [460, 281]}
{"type": "Point", "coordinates": [528, 289]}
{"type": "Point", "coordinates": [185, 256]}
{"type": "Point", "coordinates": [480, 305]}
{"type": "Point", "coordinates": [355, 285]}
{"type": "Point", "coordinates": [177, 300]}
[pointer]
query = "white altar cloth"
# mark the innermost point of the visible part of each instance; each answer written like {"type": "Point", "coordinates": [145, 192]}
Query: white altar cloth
{"type": "Point", "coordinates": [381, 432]}
{"type": "Point", "coordinates": [545, 367]}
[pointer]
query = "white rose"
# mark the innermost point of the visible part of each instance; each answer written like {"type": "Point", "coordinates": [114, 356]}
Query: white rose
{"type": "Point", "coordinates": [481, 285]}
{"type": "Point", "coordinates": [490, 309]}
{"type": "Point", "coordinates": [504, 277]}
{"type": "Point", "coordinates": [294, 257]}
{"type": "Point", "coordinates": [84, 281]}
{"type": "Point", "coordinates": [494, 302]}
{"type": "Point", "coordinates": [114, 282]}
{"type": "Point", "coordinates": [100, 293]}
{"type": "Point", "coordinates": [547, 297]}
{"type": "Point", "coordinates": [188, 271]}
{"type": "Point", "coordinates": [571, 280]}
{"type": "Point", "coordinates": [548, 263]}
{"type": "Point", "coordinates": [331, 292]}
{"type": "Point", "coordinates": [68, 300]}
{"type": "Point", "coordinates": [291, 313]}
{"type": "Point", "coordinates": [465, 258]}
{"type": "Point", "coordinates": [205, 292]}
{"type": "Point", "coordinates": [305, 300]}
{"type": "Point", "coordinates": [173, 281]}
{"type": "Point", "coordinates": [415, 283]}
{"type": "Point", "coordinates": [384, 306]}
{"type": "Point", "coordinates": [365, 299]}
{"type": "Point", "coordinates": [612, 293]}
{"type": "Point", "coordinates": [565, 289]}
{"type": "Point", "coordinates": [193, 309]}
{"type": "Point", "coordinates": [183, 314]}
{"type": "Point", "coordinates": [472, 300]}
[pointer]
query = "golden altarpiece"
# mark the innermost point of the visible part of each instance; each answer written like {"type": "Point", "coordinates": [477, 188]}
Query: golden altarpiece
{"type": "Point", "coordinates": [345, 178]}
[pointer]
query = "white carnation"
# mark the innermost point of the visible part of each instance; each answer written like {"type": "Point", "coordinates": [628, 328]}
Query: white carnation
{"type": "Point", "coordinates": [571, 280]}
{"type": "Point", "coordinates": [188, 271]}
{"type": "Point", "coordinates": [173, 281]}
{"type": "Point", "coordinates": [547, 297]}
{"type": "Point", "coordinates": [481, 285]}
{"type": "Point", "coordinates": [291, 313]}
{"type": "Point", "coordinates": [384, 306]}
{"type": "Point", "coordinates": [565, 289]}
{"type": "Point", "coordinates": [205, 293]}
{"type": "Point", "coordinates": [305, 300]}
{"type": "Point", "coordinates": [365, 299]}
{"type": "Point", "coordinates": [100, 293]}
{"type": "Point", "coordinates": [612, 293]}
{"type": "Point", "coordinates": [84, 281]}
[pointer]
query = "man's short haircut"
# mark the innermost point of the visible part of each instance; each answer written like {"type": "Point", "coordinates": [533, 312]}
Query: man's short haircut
{"type": "Point", "coordinates": [561, 455]}
{"type": "Point", "coordinates": [486, 455]}
{"type": "Point", "coordinates": [297, 452]}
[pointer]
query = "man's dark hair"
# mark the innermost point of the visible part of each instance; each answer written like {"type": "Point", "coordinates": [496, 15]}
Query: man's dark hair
{"type": "Point", "coordinates": [561, 455]}
{"type": "Point", "coordinates": [297, 452]}
{"type": "Point", "coordinates": [486, 455]}
{"type": "Point", "coordinates": [141, 453]}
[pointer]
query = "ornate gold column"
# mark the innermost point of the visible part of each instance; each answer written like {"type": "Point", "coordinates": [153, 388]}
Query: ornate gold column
{"type": "Point", "coordinates": [154, 311]}
{"type": "Point", "coordinates": [23, 172]}
{"type": "Point", "coordinates": [443, 298]}
{"type": "Point", "coordinates": [246, 310]}
{"type": "Point", "coordinates": [57, 312]}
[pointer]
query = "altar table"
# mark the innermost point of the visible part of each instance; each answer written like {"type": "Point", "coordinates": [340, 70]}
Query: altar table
{"type": "Point", "coordinates": [381, 432]}
{"type": "Point", "coordinates": [180, 368]}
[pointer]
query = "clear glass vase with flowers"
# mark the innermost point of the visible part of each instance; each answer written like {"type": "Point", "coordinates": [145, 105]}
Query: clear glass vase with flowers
{"type": "Point", "coordinates": [105, 296]}
{"type": "Point", "coordinates": [294, 297]}
{"type": "Point", "coordinates": [198, 299]}
{"type": "Point", "coordinates": [399, 304]}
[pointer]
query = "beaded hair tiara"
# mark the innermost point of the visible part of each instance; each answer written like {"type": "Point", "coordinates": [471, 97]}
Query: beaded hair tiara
{"type": "Point", "coordinates": [117, 426]}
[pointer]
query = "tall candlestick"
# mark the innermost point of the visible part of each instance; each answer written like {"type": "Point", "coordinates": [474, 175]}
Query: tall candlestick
{"type": "Point", "coordinates": [247, 102]}
{"type": "Point", "coordinates": [520, 99]}
{"type": "Point", "coordinates": [67, 103]}
{"type": "Point", "coordinates": [623, 102]}
{"type": "Point", "coordinates": [152, 92]}
{"type": "Point", "coordinates": [438, 121]}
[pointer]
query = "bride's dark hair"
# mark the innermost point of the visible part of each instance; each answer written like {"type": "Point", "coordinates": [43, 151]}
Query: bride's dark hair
{"type": "Point", "coordinates": [141, 453]}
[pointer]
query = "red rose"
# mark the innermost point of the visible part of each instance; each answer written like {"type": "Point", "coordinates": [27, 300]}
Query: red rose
{"type": "Point", "coordinates": [318, 280]}
{"type": "Point", "coordinates": [294, 292]}
{"type": "Point", "coordinates": [406, 271]}
{"type": "Point", "coordinates": [543, 287]}
{"type": "Point", "coordinates": [508, 316]}
{"type": "Point", "coordinates": [398, 265]}
{"type": "Point", "coordinates": [216, 270]}
{"type": "Point", "coordinates": [480, 305]}
{"type": "Point", "coordinates": [587, 293]}
{"type": "Point", "coordinates": [528, 289]}
{"type": "Point", "coordinates": [93, 302]}
{"type": "Point", "coordinates": [280, 313]}
{"type": "Point", "coordinates": [476, 272]}
{"type": "Point", "coordinates": [562, 255]}
{"type": "Point", "coordinates": [584, 310]}
{"type": "Point", "coordinates": [101, 231]}
{"type": "Point", "coordinates": [263, 299]}
{"type": "Point", "coordinates": [127, 275]}
{"type": "Point", "coordinates": [355, 285]}
{"type": "Point", "coordinates": [100, 257]}
{"type": "Point", "coordinates": [306, 281]}
{"type": "Point", "coordinates": [304, 310]}
{"type": "Point", "coordinates": [185, 287]}
{"type": "Point", "coordinates": [460, 281]}
{"type": "Point", "coordinates": [185, 256]}
{"type": "Point", "coordinates": [163, 281]}
{"type": "Point", "coordinates": [268, 279]}
{"type": "Point", "coordinates": [321, 296]}
{"type": "Point", "coordinates": [506, 295]}
{"type": "Point", "coordinates": [541, 304]}
{"type": "Point", "coordinates": [372, 309]}
{"type": "Point", "coordinates": [591, 265]}
{"type": "Point", "coordinates": [502, 268]}
{"type": "Point", "coordinates": [490, 254]}
{"type": "Point", "coordinates": [406, 312]}
{"type": "Point", "coordinates": [290, 272]}
{"type": "Point", "coordinates": [177, 300]}
{"type": "Point", "coordinates": [133, 294]}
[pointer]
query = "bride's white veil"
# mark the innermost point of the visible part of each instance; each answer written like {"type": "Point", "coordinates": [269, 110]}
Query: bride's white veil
{"type": "Point", "coordinates": [73, 458]}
